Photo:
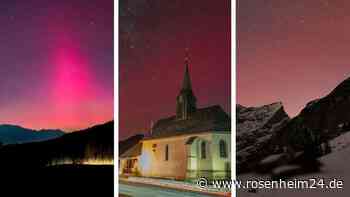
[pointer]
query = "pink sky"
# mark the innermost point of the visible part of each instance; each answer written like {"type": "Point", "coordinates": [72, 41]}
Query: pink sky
{"type": "Point", "coordinates": [293, 52]}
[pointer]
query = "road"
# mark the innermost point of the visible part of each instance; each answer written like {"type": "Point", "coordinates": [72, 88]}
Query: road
{"type": "Point", "coordinates": [153, 191]}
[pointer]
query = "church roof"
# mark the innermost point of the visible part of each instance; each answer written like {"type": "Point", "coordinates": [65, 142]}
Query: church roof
{"type": "Point", "coordinates": [213, 119]}
{"type": "Point", "coordinates": [134, 151]}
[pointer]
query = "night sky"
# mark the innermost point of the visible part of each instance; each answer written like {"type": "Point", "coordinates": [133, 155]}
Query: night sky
{"type": "Point", "coordinates": [154, 35]}
{"type": "Point", "coordinates": [291, 51]}
{"type": "Point", "coordinates": [56, 63]}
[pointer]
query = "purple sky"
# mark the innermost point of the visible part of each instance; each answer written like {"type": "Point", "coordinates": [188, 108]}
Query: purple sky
{"type": "Point", "coordinates": [153, 37]}
{"type": "Point", "coordinates": [56, 63]}
{"type": "Point", "coordinates": [291, 51]}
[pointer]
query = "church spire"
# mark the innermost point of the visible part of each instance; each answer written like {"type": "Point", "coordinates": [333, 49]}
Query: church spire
{"type": "Point", "coordinates": [185, 101]}
{"type": "Point", "coordinates": [186, 83]}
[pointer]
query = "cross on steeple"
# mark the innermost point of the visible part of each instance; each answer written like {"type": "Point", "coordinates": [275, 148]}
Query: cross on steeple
{"type": "Point", "coordinates": [186, 101]}
{"type": "Point", "coordinates": [187, 56]}
{"type": "Point", "coordinates": [186, 83]}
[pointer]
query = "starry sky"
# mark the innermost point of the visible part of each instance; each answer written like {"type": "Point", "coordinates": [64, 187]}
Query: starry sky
{"type": "Point", "coordinates": [154, 35]}
{"type": "Point", "coordinates": [291, 51]}
{"type": "Point", "coordinates": [56, 63]}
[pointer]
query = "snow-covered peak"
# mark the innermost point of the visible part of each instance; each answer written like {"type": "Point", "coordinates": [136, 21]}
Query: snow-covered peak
{"type": "Point", "coordinates": [253, 118]}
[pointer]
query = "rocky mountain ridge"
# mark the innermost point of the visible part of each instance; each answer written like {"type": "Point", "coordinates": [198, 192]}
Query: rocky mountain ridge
{"type": "Point", "coordinates": [255, 127]}
{"type": "Point", "coordinates": [267, 130]}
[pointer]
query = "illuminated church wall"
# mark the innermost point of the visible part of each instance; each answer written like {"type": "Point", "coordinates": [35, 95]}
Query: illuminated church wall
{"type": "Point", "coordinates": [198, 162]}
{"type": "Point", "coordinates": [212, 165]}
{"type": "Point", "coordinates": [221, 165]}
{"type": "Point", "coordinates": [123, 165]}
{"type": "Point", "coordinates": [184, 160]}
{"type": "Point", "coordinates": [153, 163]}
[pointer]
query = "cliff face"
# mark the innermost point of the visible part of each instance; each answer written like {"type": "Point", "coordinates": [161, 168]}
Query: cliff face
{"type": "Point", "coordinates": [255, 127]}
{"type": "Point", "coordinates": [326, 118]}
{"type": "Point", "coordinates": [331, 112]}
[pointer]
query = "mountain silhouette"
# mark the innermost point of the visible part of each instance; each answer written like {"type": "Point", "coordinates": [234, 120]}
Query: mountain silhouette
{"type": "Point", "coordinates": [325, 118]}
{"type": "Point", "coordinates": [12, 134]}
{"type": "Point", "coordinates": [299, 140]}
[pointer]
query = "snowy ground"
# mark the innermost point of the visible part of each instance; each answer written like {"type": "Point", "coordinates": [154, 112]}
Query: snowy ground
{"type": "Point", "coordinates": [335, 165]}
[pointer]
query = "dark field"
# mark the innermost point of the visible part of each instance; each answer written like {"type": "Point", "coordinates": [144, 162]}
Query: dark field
{"type": "Point", "coordinates": [65, 181]}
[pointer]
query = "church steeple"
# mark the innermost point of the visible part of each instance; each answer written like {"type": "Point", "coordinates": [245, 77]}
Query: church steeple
{"type": "Point", "coordinates": [186, 101]}
{"type": "Point", "coordinates": [186, 83]}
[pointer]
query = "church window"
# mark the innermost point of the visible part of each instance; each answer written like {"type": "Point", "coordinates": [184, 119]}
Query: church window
{"type": "Point", "coordinates": [203, 150]}
{"type": "Point", "coordinates": [154, 146]}
{"type": "Point", "coordinates": [223, 149]}
{"type": "Point", "coordinates": [166, 152]}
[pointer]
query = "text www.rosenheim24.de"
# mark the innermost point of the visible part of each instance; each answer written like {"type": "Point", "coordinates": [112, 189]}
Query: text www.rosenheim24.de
{"type": "Point", "coordinates": [311, 183]}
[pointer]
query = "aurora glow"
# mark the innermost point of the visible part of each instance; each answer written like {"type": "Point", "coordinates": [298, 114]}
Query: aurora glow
{"type": "Point", "coordinates": [56, 63]}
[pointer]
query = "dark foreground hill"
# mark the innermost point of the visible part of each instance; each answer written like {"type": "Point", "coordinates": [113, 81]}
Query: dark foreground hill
{"type": "Point", "coordinates": [12, 134]}
{"type": "Point", "coordinates": [95, 143]}
{"type": "Point", "coordinates": [57, 167]}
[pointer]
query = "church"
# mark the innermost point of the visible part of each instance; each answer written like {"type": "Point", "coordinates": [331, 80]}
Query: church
{"type": "Point", "coordinates": [194, 142]}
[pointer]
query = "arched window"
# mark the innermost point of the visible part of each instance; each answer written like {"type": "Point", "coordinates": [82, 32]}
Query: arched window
{"type": "Point", "coordinates": [166, 152]}
{"type": "Point", "coordinates": [223, 149]}
{"type": "Point", "coordinates": [203, 150]}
